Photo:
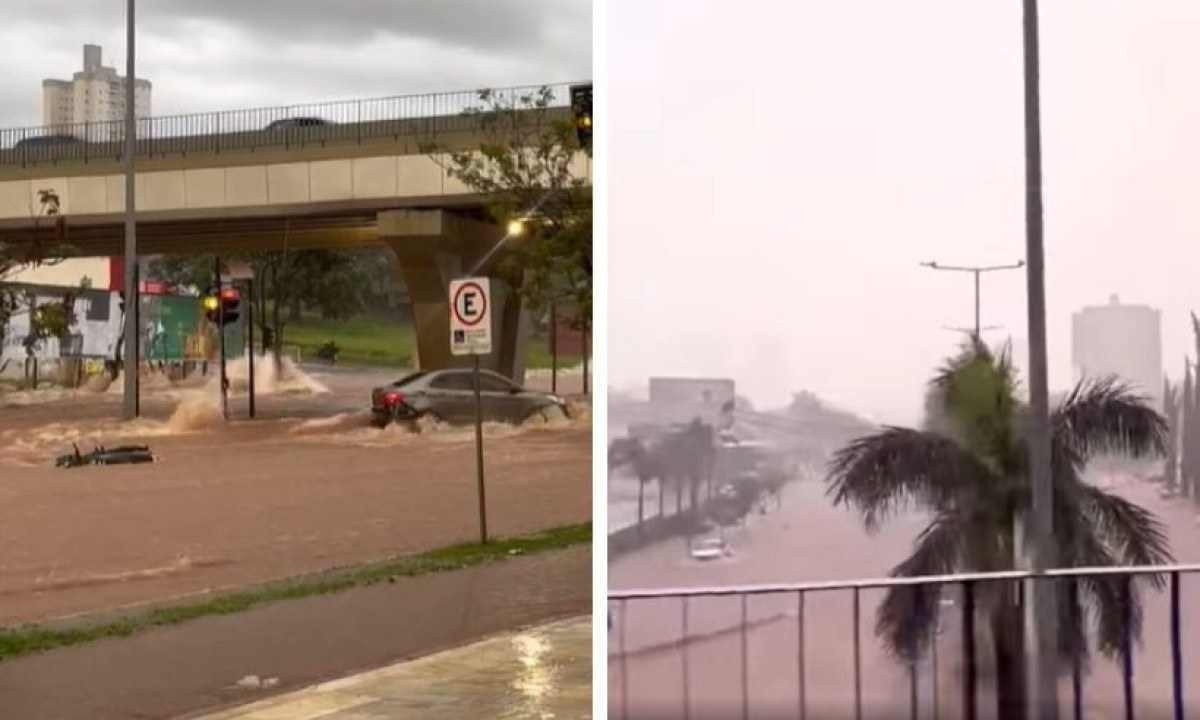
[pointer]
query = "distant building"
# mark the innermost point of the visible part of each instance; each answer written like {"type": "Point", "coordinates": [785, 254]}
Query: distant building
{"type": "Point", "coordinates": [691, 391]}
{"type": "Point", "coordinates": [683, 399]}
{"type": "Point", "coordinates": [1121, 340]}
{"type": "Point", "coordinates": [95, 94]}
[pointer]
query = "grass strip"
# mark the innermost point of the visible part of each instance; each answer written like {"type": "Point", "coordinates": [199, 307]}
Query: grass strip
{"type": "Point", "coordinates": [28, 639]}
{"type": "Point", "coordinates": [381, 343]}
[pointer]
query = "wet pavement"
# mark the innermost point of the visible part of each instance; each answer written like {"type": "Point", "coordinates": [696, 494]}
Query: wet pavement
{"type": "Point", "coordinates": [537, 674]}
{"type": "Point", "coordinates": [199, 666]}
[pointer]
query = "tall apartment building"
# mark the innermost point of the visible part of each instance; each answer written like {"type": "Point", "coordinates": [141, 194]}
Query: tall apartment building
{"type": "Point", "coordinates": [95, 95]}
{"type": "Point", "coordinates": [1121, 340]}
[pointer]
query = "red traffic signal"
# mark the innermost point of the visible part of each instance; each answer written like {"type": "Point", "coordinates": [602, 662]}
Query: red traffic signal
{"type": "Point", "coordinates": [224, 309]}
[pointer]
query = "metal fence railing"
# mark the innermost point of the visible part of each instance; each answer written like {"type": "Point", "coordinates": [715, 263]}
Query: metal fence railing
{"type": "Point", "coordinates": [735, 671]}
{"type": "Point", "coordinates": [422, 116]}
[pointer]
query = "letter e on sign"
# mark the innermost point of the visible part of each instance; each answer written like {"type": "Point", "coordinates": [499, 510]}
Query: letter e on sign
{"type": "Point", "coordinates": [470, 316]}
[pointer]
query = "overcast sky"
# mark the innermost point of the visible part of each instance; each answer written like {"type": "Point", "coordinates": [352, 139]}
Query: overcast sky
{"type": "Point", "coordinates": [778, 171]}
{"type": "Point", "coordinates": [221, 54]}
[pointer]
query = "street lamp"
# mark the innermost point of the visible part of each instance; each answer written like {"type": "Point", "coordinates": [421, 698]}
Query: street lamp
{"type": "Point", "coordinates": [516, 227]}
{"type": "Point", "coordinates": [130, 409]}
{"type": "Point", "coordinates": [1041, 636]}
{"type": "Point", "coordinates": [976, 270]}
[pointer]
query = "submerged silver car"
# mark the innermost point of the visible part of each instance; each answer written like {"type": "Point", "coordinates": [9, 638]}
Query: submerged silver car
{"type": "Point", "coordinates": [449, 396]}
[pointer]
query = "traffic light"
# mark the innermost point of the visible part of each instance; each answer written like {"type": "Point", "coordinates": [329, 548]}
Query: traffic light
{"type": "Point", "coordinates": [211, 305]}
{"type": "Point", "coordinates": [581, 108]}
{"type": "Point", "coordinates": [228, 304]}
{"type": "Point", "coordinates": [231, 304]}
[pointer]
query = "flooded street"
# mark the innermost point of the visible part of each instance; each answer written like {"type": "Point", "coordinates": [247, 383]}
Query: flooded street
{"type": "Point", "coordinates": [809, 540]}
{"type": "Point", "coordinates": [307, 486]}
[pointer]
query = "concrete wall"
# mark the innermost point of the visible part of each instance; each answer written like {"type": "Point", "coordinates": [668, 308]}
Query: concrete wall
{"type": "Point", "coordinates": [360, 178]}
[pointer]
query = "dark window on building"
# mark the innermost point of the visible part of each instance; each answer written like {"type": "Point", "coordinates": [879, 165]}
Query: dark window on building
{"type": "Point", "coordinates": [99, 307]}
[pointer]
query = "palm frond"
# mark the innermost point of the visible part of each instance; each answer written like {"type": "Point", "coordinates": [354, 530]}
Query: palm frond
{"type": "Point", "coordinates": [971, 351]}
{"type": "Point", "coordinates": [882, 473]}
{"type": "Point", "coordinates": [1108, 599]}
{"type": "Point", "coordinates": [1133, 534]}
{"type": "Point", "coordinates": [908, 614]}
{"type": "Point", "coordinates": [1107, 416]}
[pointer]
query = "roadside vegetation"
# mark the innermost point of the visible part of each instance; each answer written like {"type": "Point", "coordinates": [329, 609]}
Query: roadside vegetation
{"type": "Point", "coordinates": [29, 639]}
{"type": "Point", "coordinates": [387, 343]}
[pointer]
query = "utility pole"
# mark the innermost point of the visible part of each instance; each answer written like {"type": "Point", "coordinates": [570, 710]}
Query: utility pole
{"type": "Point", "coordinates": [132, 303]}
{"type": "Point", "coordinates": [250, 344]}
{"type": "Point", "coordinates": [554, 348]}
{"type": "Point", "coordinates": [1041, 616]}
{"type": "Point", "coordinates": [976, 271]}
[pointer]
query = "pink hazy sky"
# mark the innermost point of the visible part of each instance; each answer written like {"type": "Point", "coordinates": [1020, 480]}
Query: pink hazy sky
{"type": "Point", "coordinates": [778, 171]}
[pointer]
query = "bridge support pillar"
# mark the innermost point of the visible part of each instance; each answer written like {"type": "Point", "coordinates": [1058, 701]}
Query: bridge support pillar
{"type": "Point", "coordinates": [432, 248]}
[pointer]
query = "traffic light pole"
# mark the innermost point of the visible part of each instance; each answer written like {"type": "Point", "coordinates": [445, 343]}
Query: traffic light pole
{"type": "Point", "coordinates": [221, 338]}
{"type": "Point", "coordinates": [554, 348]}
{"type": "Point", "coordinates": [250, 332]}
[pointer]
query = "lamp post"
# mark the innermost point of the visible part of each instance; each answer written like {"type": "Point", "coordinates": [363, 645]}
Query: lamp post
{"type": "Point", "coordinates": [976, 270]}
{"type": "Point", "coordinates": [132, 303]}
{"type": "Point", "coordinates": [1041, 641]}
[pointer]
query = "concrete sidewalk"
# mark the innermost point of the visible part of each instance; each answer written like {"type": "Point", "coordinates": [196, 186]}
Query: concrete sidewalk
{"type": "Point", "coordinates": [542, 673]}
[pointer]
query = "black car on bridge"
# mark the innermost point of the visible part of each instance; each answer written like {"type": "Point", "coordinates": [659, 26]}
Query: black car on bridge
{"type": "Point", "coordinates": [298, 122]}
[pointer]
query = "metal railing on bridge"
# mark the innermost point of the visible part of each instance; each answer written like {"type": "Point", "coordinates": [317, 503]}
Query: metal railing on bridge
{"type": "Point", "coordinates": [968, 584]}
{"type": "Point", "coordinates": [421, 116]}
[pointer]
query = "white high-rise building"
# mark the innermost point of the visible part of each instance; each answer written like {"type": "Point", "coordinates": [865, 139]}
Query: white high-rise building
{"type": "Point", "coordinates": [95, 95]}
{"type": "Point", "coordinates": [1121, 340]}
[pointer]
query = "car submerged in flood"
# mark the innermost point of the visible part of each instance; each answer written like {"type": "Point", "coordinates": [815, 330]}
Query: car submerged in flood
{"type": "Point", "coordinates": [449, 396]}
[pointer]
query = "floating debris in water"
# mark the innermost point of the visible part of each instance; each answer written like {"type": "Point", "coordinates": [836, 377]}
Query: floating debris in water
{"type": "Point", "coordinates": [123, 455]}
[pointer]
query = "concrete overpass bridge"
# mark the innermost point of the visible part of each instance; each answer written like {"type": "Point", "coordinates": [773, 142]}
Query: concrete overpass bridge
{"type": "Point", "coordinates": [275, 179]}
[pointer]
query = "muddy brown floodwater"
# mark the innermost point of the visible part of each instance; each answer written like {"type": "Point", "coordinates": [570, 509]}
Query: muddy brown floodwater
{"type": "Point", "coordinates": [809, 540]}
{"type": "Point", "coordinates": [306, 487]}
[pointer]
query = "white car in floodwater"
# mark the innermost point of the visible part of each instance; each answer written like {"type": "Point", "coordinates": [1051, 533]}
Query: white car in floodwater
{"type": "Point", "coordinates": [710, 549]}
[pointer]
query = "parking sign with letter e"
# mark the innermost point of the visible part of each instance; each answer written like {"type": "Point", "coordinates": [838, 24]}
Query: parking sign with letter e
{"type": "Point", "coordinates": [470, 316]}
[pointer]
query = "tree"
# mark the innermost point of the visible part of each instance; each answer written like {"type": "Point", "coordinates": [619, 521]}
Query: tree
{"type": "Point", "coordinates": [1171, 411]}
{"type": "Point", "coordinates": [1187, 463]}
{"type": "Point", "coordinates": [183, 271]}
{"type": "Point", "coordinates": [681, 458]}
{"type": "Point", "coordinates": [1192, 432]}
{"type": "Point", "coordinates": [524, 166]}
{"type": "Point", "coordinates": [323, 279]}
{"type": "Point", "coordinates": [49, 320]}
{"type": "Point", "coordinates": [969, 468]}
{"type": "Point", "coordinates": [337, 283]}
{"type": "Point", "coordinates": [19, 252]}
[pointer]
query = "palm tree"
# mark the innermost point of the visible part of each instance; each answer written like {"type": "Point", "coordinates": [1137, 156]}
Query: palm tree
{"type": "Point", "coordinates": [1171, 411]}
{"type": "Point", "coordinates": [1187, 433]}
{"type": "Point", "coordinates": [968, 468]}
{"type": "Point", "coordinates": [682, 458]}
